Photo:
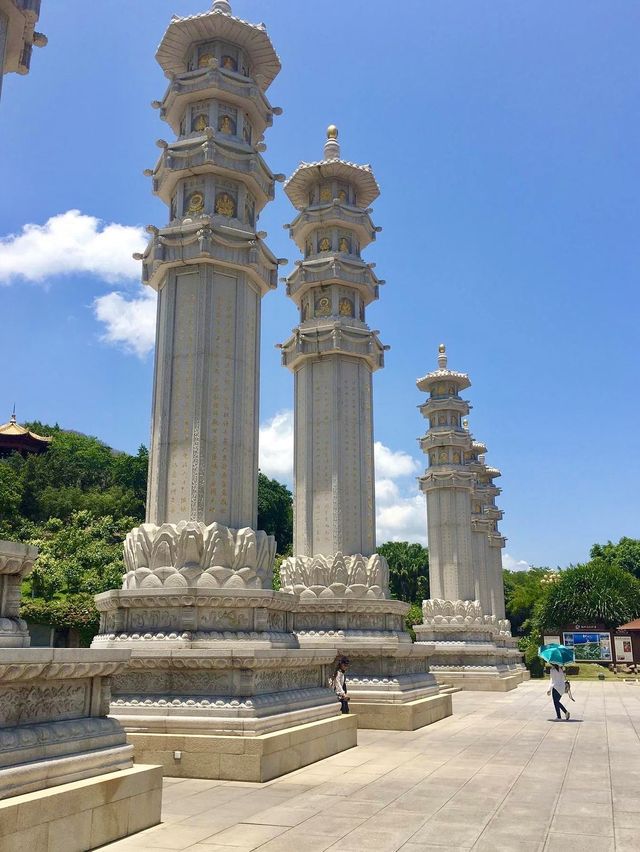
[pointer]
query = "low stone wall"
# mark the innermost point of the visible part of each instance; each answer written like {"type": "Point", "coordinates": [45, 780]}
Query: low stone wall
{"type": "Point", "coordinates": [84, 814]}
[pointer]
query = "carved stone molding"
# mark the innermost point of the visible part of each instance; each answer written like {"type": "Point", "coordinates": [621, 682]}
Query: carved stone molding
{"type": "Point", "coordinates": [336, 576]}
{"type": "Point", "coordinates": [192, 554]}
{"type": "Point", "coordinates": [16, 562]}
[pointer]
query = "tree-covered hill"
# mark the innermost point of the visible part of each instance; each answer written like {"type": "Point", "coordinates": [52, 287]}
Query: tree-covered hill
{"type": "Point", "coordinates": [76, 502]}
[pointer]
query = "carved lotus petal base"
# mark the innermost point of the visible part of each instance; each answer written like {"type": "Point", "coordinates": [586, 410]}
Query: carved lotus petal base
{"type": "Point", "coordinates": [336, 576]}
{"type": "Point", "coordinates": [191, 554]}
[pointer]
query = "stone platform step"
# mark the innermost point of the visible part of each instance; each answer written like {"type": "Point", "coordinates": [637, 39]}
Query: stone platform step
{"type": "Point", "coordinates": [448, 689]}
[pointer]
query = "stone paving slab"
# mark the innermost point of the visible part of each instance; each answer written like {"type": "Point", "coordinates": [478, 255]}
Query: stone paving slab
{"type": "Point", "coordinates": [498, 775]}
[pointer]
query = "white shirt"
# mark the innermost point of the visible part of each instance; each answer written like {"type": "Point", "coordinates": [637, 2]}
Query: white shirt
{"type": "Point", "coordinates": [338, 683]}
{"type": "Point", "coordinates": [557, 680]}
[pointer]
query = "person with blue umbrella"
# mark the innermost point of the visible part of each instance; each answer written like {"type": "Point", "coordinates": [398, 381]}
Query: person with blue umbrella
{"type": "Point", "coordinates": [557, 655]}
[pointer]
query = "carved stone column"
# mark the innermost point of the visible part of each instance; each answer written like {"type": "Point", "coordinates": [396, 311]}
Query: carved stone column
{"type": "Point", "coordinates": [464, 618]}
{"type": "Point", "coordinates": [213, 649]}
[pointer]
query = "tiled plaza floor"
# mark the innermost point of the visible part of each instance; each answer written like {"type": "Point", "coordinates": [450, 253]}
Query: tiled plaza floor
{"type": "Point", "coordinates": [498, 775]}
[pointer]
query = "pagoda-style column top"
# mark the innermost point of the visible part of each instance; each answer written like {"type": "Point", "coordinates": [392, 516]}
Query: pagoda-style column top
{"type": "Point", "coordinates": [175, 53]}
{"type": "Point", "coordinates": [360, 177]}
{"type": "Point", "coordinates": [454, 381]}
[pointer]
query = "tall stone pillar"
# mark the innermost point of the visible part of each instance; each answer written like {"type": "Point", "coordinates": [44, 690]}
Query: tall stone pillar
{"type": "Point", "coordinates": [332, 355]}
{"type": "Point", "coordinates": [341, 583]}
{"type": "Point", "coordinates": [197, 605]}
{"type": "Point", "coordinates": [463, 617]}
{"type": "Point", "coordinates": [480, 526]}
{"type": "Point", "coordinates": [495, 543]}
{"type": "Point", "coordinates": [447, 483]}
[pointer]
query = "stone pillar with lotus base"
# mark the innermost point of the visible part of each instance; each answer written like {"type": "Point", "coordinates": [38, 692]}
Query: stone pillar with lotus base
{"type": "Point", "coordinates": [341, 586]}
{"type": "Point", "coordinates": [218, 686]}
{"type": "Point", "coordinates": [60, 753]}
{"type": "Point", "coordinates": [464, 618]}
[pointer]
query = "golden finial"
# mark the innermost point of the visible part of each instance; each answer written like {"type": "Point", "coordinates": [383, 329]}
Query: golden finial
{"type": "Point", "coordinates": [442, 349]}
{"type": "Point", "coordinates": [332, 132]}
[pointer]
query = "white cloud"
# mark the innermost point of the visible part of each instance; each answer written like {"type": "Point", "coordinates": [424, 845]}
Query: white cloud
{"type": "Point", "coordinates": [400, 508]}
{"type": "Point", "coordinates": [390, 463]}
{"type": "Point", "coordinates": [71, 243]}
{"type": "Point", "coordinates": [400, 511]}
{"type": "Point", "coordinates": [511, 564]}
{"type": "Point", "coordinates": [130, 323]}
{"type": "Point", "coordinates": [276, 446]}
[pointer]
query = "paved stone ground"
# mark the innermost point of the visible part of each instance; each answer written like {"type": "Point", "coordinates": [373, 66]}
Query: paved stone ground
{"type": "Point", "coordinates": [498, 775]}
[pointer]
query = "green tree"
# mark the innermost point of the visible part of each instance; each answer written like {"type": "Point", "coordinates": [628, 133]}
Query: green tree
{"type": "Point", "coordinates": [597, 591]}
{"type": "Point", "coordinates": [275, 512]}
{"type": "Point", "coordinates": [625, 554]}
{"type": "Point", "coordinates": [10, 491]}
{"type": "Point", "coordinates": [408, 570]}
{"type": "Point", "coordinates": [522, 591]}
{"type": "Point", "coordinates": [80, 555]}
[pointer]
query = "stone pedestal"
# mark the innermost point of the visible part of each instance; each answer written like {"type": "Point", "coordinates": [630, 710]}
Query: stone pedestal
{"type": "Point", "coordinates": [66, 770]}
{"type": "Point", "coordinates": [210, 670]}
{"type": "Point", "coordinates": [470, 650]}
{"type": "Point", "coordinates": [343, 608]}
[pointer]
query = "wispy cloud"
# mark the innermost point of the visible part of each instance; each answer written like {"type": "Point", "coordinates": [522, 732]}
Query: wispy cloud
{"type": "Point", "coordinates": [511, 564]}
{"type": "Point", "coordinates": [68, 244]}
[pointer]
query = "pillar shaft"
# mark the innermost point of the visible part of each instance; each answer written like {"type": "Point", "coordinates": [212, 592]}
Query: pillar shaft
{"type": "Point", "coordinates": [204, 444]}
{"type": "Point", "coordinates": [334, 480]}
{"type": "Point", "coordinates": [450, 550]}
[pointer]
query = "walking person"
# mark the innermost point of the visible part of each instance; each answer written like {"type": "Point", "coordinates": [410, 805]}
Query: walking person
{"type": "Point", "coordinates": [556, 689]}
{"type": "Point", "coordinates": [339, 681]}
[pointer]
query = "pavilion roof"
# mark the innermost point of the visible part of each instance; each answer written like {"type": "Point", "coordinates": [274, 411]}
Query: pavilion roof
{"type": "Point", "coordinates": [13, 429]}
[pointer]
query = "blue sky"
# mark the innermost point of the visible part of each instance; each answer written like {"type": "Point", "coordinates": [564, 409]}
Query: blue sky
{"type": "Point", "coordinates": [505, 139]}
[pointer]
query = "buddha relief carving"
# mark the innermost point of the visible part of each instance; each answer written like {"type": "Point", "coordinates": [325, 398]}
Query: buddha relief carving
{"type": "Point", "coordinates": [342, 196]}
{"type": "Point", "coordinates": [206, 59]}
{"type": "Point", "coordinates": [325, 193]}
{"type": "Point", "coordinates": [323, 306]}
{"type": "Point", "coordinates": [443, 457]}
{"type": "Point", "coordinates": [226, 125]}
{"type": "Point", "coordinates": [344, 245]}
{"type": "Point", "coordinates": [199, 122]}
{"type": "Point", "coordinates": [229, 63]}
{"type": "Point", "coordinates": [345, 307]}
{"type": "Point", "coordinates": [325, 244]}
{"type": "Point", "coordinates": [195, 202]}
{"type": "Point", "coordinates": [225, 205]}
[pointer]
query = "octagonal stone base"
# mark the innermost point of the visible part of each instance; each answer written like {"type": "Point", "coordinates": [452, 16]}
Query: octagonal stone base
{"type": "Point", "coordinates": [470, 651]}
{"type": "Point", "coordinates": [389, 681]}
{"type": "Point", "coordinates": [211, 668]}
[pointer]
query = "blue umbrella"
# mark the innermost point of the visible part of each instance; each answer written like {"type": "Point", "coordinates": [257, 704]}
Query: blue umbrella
{"type": "Point", "coordinates": [554, 653]}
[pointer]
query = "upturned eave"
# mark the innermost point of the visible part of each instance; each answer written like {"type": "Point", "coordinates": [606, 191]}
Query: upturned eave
{"type": "Point", "coordinates": [183, 33]}
{"type": "Point", "coordinates": [308, 174]}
